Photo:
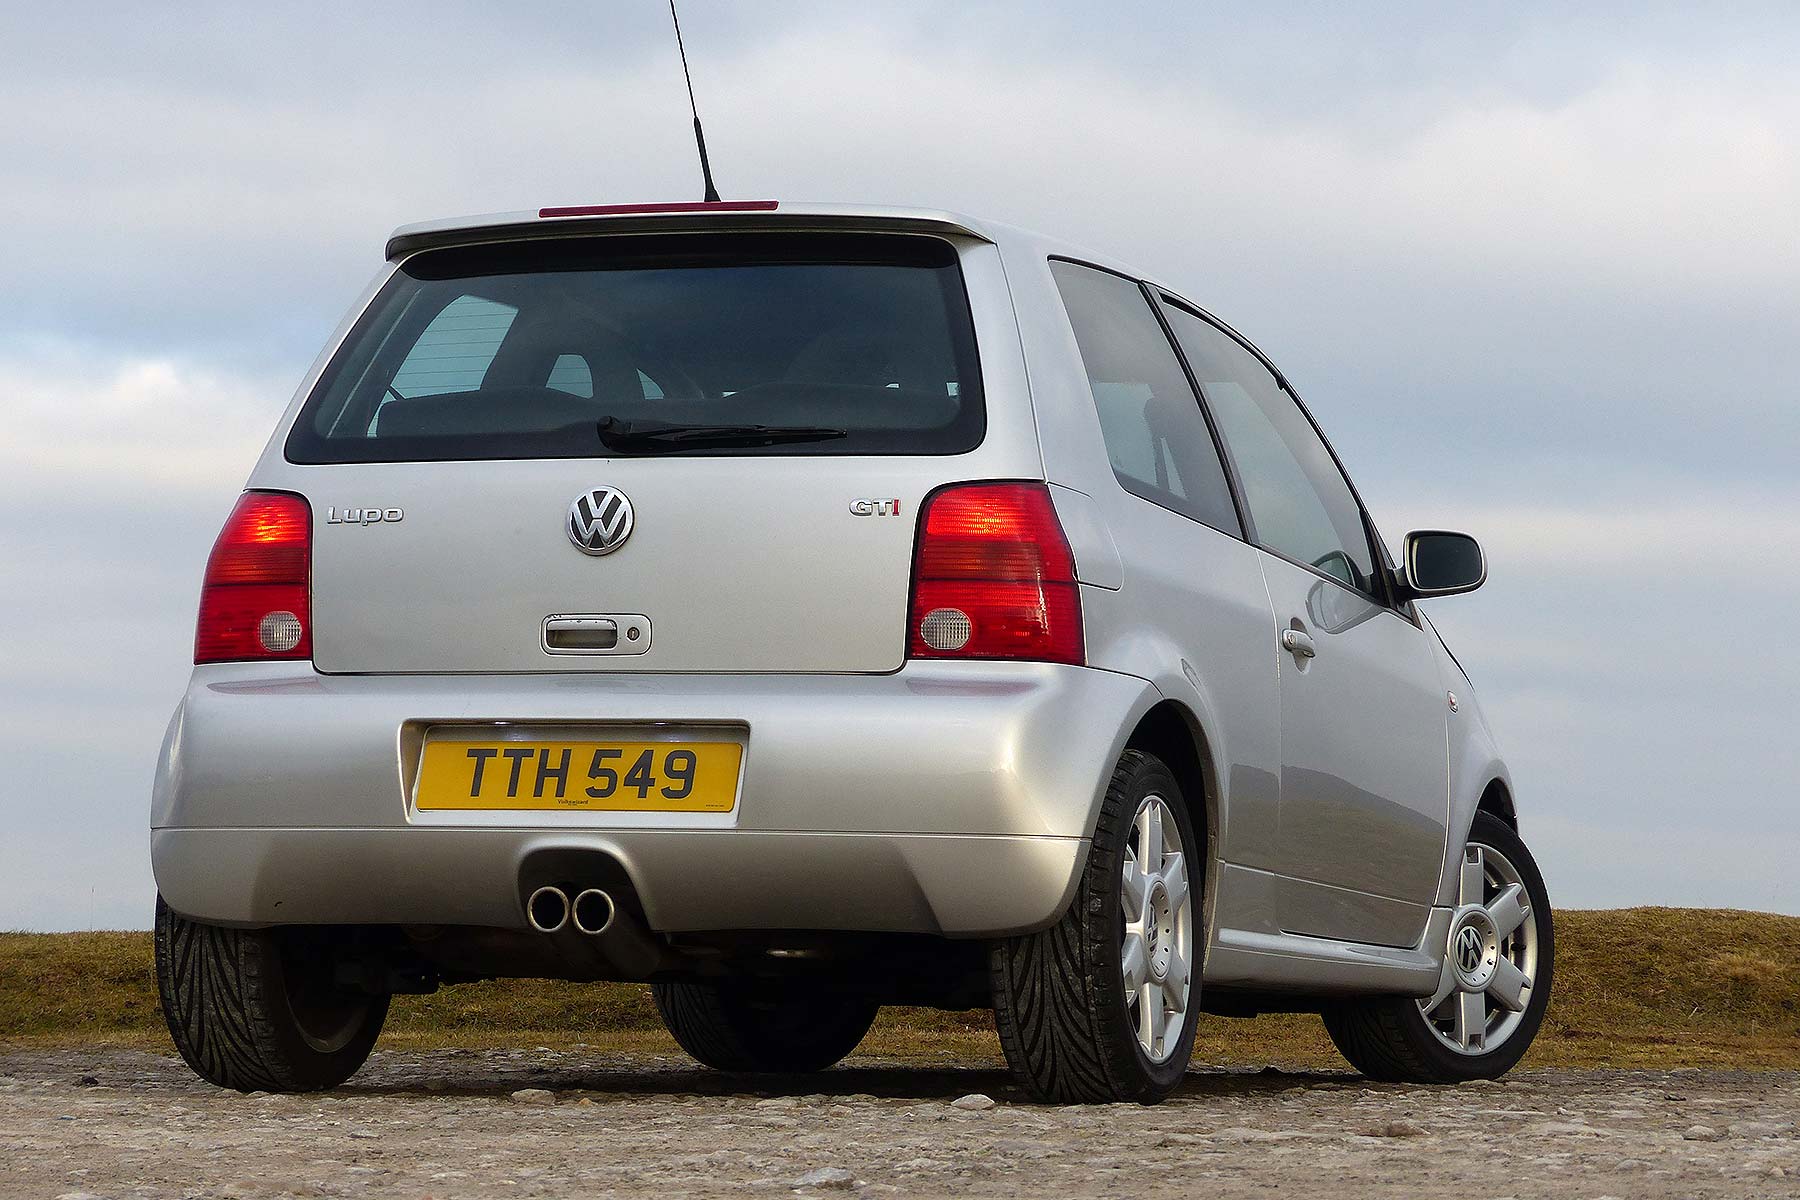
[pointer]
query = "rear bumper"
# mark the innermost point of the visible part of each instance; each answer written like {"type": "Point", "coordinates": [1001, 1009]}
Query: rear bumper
{"type": "Point", "coordinates": [949, 798]}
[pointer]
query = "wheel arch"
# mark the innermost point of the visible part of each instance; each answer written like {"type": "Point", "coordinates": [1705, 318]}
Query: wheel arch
{"type": "Point", "coordinates": [1172, 732]}
{"type": "Point", "coordinates": [1479, 782]}
{"type": "Point", "coordinates": [1496, 799]}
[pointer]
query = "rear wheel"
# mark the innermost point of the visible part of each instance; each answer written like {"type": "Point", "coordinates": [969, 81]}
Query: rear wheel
{"type": "Point", "coordinates": [1099, 1007]}
{"type": "Point", "coordinates": [260, 1009]}
{"type": "Point", "coordinates": [785, 1026]}
{"type": "Point", "coordinates": [1494, 986]}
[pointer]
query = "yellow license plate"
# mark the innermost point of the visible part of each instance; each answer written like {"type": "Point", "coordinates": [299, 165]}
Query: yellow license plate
{"type": "Point", "coordinates": [584, 776]}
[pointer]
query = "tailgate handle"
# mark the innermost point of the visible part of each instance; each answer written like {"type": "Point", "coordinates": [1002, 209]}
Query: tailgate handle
{"type": "Point", "coordinates": [626, 633]}
{"type": "Point", "coordinates": [590, 635]}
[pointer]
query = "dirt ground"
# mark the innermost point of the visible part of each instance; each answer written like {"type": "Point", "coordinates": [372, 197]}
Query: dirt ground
{"type": "Point", "coordinates": [108, 1122]}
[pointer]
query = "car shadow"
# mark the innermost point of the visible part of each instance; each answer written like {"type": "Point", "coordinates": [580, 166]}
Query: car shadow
{"type": "Point", "coordinates": [884, 1081]}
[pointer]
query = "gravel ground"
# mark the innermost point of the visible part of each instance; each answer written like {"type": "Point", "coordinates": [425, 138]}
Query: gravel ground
{"type": "Point", "coordinates": [543, 1123]}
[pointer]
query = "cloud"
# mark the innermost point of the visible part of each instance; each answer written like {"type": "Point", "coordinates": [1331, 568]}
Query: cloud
{"type": "Point", "coordinates": [132, 425]}
{"type": "Point", "coordinates": [1712, 532]}
{"type": "Point", "coordinates": [1593, 863]}
{"type": "Point", "coordinates": [1513, 186]}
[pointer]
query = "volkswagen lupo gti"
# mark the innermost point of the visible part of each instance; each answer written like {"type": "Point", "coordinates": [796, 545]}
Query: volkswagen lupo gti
{"type": "Point", "coordinates": [803, 609]}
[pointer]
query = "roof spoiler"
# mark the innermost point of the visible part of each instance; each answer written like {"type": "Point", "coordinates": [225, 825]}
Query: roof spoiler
{"type": "Point", "coordinates": [594, 220]}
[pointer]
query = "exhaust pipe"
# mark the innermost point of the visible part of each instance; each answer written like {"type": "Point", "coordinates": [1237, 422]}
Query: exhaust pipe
{"type": "Point", "coordinates": [548, 909]}
{"type": "Point", "coordinates": [592, 929]}
{"type": "Point", "coordinates": [617, 935]}
{"type": "Point", "coordinates": [592, 912]}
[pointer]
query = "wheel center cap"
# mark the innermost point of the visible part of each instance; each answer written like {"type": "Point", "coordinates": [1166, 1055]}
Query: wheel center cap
{"type": "Point", "coordinates": [1159, 931]}
{"type": "Point", "coordinates": [1474, 949]}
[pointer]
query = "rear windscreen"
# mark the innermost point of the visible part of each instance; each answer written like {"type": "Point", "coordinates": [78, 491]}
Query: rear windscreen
{"type": "Point", "coordinates": [530, 350]}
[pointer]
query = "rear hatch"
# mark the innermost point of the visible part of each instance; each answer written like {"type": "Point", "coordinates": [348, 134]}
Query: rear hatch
{"type": "Point", "coordinates": [673, 452]}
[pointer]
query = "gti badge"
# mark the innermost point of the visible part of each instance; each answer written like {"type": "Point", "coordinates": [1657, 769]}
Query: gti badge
{"type": "Point", "coordinates": [864, 506]}
{"type": "Point", "coordinates": [600, 521]}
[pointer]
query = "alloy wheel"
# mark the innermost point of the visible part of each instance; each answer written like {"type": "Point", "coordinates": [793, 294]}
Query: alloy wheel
{"type": "Point", "coordinates": [1490, 964]}
{"type": "Point", "coordinates": [1157, 951]}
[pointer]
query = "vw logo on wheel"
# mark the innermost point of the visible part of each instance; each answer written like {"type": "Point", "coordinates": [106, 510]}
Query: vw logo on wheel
{"type": "Point", "coordinates": [1469, 949]}
{"type": "Point", "coordinates": [600, 521]}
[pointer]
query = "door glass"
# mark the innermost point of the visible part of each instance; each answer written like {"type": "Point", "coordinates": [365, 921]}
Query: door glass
{"type": "Point", "coordinates": [1301, 504]}
{"type": "Point", "coordinates": [1156, 435]}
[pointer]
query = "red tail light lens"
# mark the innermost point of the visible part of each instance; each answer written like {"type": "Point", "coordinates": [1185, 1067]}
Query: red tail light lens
{"type": "Point", "coordinates": [994, 578]}
{"type": "Point", "coordinates": [256, 600]}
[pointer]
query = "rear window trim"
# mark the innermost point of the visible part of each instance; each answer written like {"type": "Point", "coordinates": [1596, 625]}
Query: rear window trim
{"type": "Point", "coordinates": [295, 442]}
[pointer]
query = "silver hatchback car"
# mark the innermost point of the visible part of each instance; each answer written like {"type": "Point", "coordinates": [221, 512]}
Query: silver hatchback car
{"type": "Point", "coordinates": [809, 608]}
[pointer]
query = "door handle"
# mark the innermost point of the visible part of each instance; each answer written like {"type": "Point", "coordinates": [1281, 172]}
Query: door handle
{"type": "Point", "coordinates": [1298, 642]}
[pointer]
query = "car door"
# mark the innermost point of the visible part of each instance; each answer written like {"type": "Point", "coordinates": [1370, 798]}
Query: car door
{"type": "Point", "coordinates": [1364, 791]}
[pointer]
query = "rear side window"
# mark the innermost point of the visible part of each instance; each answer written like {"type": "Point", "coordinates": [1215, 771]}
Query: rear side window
{"type": "Point", "coordinates": [456, 349]}
{"type": "Point", "coordinates": [1156, 435]}
{"type": "Point", "coordinates": [524, 350]}
{"type": "Point", "coordinates": [1298, 499]}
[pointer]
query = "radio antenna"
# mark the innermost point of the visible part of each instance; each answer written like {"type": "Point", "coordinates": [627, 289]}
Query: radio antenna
{"type": "Point", "coordinates": [712, 193]}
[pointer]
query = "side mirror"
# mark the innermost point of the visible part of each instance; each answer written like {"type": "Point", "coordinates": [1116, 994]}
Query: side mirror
{"type": "Point", "coordinates": [1441, 563]}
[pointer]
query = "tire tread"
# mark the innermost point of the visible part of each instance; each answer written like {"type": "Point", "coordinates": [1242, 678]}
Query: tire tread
{"type": "Point", "coordinates": [215, 986]}
{"type": "Point", "coordinates": [1051, 989]}
{"type": "Point", "coordinates": [1370, 1037]}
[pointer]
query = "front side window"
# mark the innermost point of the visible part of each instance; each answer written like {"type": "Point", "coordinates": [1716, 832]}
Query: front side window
{"type": "Point", "coordinates": [1298, 499]}
{"type": "Point", "coordinates": [1156, 435]}
{"type": "Point", "coordinates": [832, 343]}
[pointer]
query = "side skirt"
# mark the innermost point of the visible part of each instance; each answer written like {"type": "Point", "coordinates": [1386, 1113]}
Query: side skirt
{"type": "Point", "coordinates": [1247, 949]}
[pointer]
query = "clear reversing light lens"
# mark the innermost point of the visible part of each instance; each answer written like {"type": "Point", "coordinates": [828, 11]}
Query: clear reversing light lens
{"type": "Point", "coordinates": [279, 632]}
{"type": "Point", "coordinates": [946, 628]}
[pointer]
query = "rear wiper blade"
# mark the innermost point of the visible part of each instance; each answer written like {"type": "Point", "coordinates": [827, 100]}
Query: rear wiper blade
{"type": "Point", "coordinates": [654, 437]}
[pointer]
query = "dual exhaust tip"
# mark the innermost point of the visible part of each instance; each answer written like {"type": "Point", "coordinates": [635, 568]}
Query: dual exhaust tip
{"type": "Point", "coordinates": [591, 912]}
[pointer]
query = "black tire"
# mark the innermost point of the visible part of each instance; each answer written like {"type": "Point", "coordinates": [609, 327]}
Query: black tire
{"type": "Point", "coordinates": [763, 1026]}
{"type": "Point", "coordinates": [1387, 1038]}
{"type": "Point", "coordinates": [259, 1009]}
{"type": "Point", "coordinates": [1060, 1002]}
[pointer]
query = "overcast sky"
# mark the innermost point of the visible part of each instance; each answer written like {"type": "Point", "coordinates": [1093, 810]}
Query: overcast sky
{"type": "Point", "coordinates": [1535, 273]}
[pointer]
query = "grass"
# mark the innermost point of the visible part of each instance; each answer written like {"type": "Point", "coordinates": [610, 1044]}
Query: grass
{"type": "Point", "coordinates": [1639, 987]}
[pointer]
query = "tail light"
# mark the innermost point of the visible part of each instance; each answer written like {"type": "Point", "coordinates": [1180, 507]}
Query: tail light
{"type": "Point", "coordinates": [994, 578]}
{"type": "Point", "coordinates": [256, 601]}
